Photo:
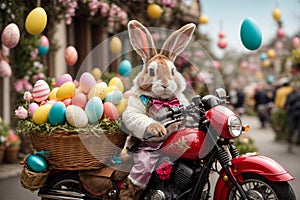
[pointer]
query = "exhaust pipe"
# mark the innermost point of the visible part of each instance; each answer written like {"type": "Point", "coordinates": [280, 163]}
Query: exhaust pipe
{"type": "Point", "coordinates": [61, 195]}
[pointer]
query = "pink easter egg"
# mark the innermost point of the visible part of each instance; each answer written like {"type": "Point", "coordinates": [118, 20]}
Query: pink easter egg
{"type": "Point", "coordinates": [10, 35]}
{"type": "Point", "coordinates": [44, 41]}
{"type": "Point", "coordinates": [67, 102]}
{"type": "Point", "coordinates": [280, 33]}
{"type": "Point", "coordinates": [5, 70]}
{"type": "Point", "coordinates": [222, 34]}
{"type": "Point", "coordinates": [63, 79]}
{"type": "Point", "coordinates": [80, 100]}
{"type": "Point", "coordinates": [51, 102]}
{"type": "Point", "coordinates": [87, 81]}
{"type": "Point", "coordinates": [40, 91]}
{"type": "Point", "coordinates": [71, 55]}
{"type": "Point", "coordinates": [32, 107]}
{"type": "Point", "coordinates": [110, 111]}
{"type": "Point", "coordinates": [222, 43]}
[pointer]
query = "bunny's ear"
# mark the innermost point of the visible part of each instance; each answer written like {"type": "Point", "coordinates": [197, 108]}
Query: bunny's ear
{"type": "Point", "coordinates": [141, 40]}
{"type": "Point", "coordinates": [178, 41]}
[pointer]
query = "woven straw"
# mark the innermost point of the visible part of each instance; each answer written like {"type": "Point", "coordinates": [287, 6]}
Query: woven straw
{"type": "Point", "coordinates": [33, 180]}
{"type": "Point", "coordinates": [71, 150]}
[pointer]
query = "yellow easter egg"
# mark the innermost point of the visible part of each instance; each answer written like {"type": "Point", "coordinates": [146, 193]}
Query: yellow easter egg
{"type": "Point", "coordinates": [154, 11]}
{"type": "Point", "coordinates": [203, 19]}
{"type": "Point", "coordinates": [271, 53]}
{"type": "Point", "coordinates": [66, 90]}
{"type": "Point", "coordinates": [52, 95]}
{"type": "Point", "coordinates": [121, 106]}
{"type": "Point", "coordinates": [96, 72]}
{"type": "Point", "coordinates": [36, 21]}
{"type": "Point", "coordinates": [98, 90]}
{"type": "Point", "coordinates": [276, 14]}
{"type": "Point", "coordinates": [40, 115]}
{"type": "Point", "coordinates": [115, 81]}
{"type": "Point", "coordinates": [115, 45]}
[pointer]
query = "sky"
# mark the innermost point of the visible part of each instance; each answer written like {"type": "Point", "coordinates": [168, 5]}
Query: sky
{"type": "Point", "coordinates": [229, 14]}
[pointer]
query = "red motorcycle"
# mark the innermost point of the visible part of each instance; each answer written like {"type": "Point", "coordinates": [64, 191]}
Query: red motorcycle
{"type": "Point", "coordinates": [189, 159]}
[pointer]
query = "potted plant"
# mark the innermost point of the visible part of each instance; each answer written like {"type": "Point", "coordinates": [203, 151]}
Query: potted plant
{"type": "Point", "coordinates": [13, 142]}
{"type": "Point", "coordinates": [3, 134]}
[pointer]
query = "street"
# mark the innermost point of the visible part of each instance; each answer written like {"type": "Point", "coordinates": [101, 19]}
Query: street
{"type": "Point", "coordinates": [11, 189]}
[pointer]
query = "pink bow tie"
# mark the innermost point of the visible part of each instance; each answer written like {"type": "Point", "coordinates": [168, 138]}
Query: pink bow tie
{"type": "Point", "coordinates": [158, 103]}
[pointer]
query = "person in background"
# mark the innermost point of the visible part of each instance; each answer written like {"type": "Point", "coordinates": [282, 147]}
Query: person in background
{"type": "Point", "coordinates": [239, 104]}
{"type": "Point", "coordinates": [282, 92]}
{"type": "Point", "coordinates": [292, 106]}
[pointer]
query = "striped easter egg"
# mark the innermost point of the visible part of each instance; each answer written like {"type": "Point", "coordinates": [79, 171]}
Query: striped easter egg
{"type": "Point", "coordinates": [40, 91]}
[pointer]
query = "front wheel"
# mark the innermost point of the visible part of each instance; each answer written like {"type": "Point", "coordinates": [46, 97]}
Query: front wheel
{"type": "Point", "coordinates": [258, 187]}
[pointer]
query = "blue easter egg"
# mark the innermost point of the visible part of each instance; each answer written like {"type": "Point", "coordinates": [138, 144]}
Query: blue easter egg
{"type": "Point", "coordinates": [263, 56]}
{"type": "Point", "coordinates": [36, 163]}
{"type": "Point", "coordinates": [125, 68]}
{"type": "Point", "coordinates": [43, 50]}
{"type": "Point", "coordinates": [57, 113]}
{"type": "Point", "coordinates": [114, 97]}
{"type": "Point", "coordinates": [94, 109]}
{"type": "Point", "coordinates": [250, 34]}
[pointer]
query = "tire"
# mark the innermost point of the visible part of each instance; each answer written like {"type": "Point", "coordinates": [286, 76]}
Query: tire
{"type": "Point", "coordinates": [63, 180]}
{"type": "Point", "coordinates": [259, 188]}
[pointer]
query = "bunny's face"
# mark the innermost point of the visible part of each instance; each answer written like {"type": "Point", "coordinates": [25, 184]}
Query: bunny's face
{"type": "Point", "coordinates": [159, 77]}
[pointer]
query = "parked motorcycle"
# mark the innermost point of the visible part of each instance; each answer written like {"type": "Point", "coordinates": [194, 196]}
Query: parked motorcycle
{"type": "Point", "coordinates": [192, 159]}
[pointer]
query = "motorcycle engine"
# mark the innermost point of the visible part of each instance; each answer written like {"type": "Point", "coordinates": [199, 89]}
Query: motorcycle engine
{"type": "Point", "coordinates": [182, 178]}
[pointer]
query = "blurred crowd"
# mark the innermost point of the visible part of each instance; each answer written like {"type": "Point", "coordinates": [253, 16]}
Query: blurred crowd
{"type": "Point", "coordinates": [276, 105]}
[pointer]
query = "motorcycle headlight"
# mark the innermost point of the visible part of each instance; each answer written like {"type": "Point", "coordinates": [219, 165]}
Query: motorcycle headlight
{"type": "Point", "coordinates": [235, 126]}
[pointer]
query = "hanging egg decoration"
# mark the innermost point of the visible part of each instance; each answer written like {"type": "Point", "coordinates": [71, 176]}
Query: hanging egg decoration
{"type": "Point", "coordinates": [222, 44]}
{"type": "Point", "coordinates": [271, 53]}
{"type": "Point", "coordinates": [125, 68]}
{"type": "Point", "coordinates": [154, 11]}
{"type": "Point", "coordinates": [276, 13]}
{"type": "Point", "coordinates": [11, 35]}
{"type": "Point", "coordinates": [250, 34]}
{"type": "Point", "coordinates": [203, 19]}
{"type": "Point", "coordinates": [244, 64]}
{"type": "Point", "coordinates": [266, 63]}
{"type": "Point", "coordinates": [263, 56]}
{"type": "Point", "coordinates": [43, 47]}
{"type": "Point", "coordinates": [115, 45]}
{"type": "Point", "coordinates": [36, 21]}
{"type": "Point", "coordinates": [280, 33]}
{"type": "Point", "coordinates": [71, 55]}
{"type": "Point", "coordinates": [295, 42]}
{"type": "Point", "coordinates": [5, 70]}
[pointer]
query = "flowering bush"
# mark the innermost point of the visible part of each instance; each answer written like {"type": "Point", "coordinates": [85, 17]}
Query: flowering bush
{"type": "Point", "coordinates": [12, 140]}
{"type": "Point", "coordinates": [3, 132]}
{"type": "Point", "coordinates": [164, 170]}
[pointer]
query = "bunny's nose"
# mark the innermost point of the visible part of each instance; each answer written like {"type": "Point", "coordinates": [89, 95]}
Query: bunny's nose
{"type": "Point", "coordinates": [165, 86]}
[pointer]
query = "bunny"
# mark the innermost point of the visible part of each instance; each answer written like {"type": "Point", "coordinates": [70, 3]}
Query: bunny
{"type": "Point", "coordinates": [156, 88]}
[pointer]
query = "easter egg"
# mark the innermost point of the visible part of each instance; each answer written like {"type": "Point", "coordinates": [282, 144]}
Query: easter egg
{"type": "Point", "coordinates": [121, 106]}
{"type": "Point", "coordinates": [40, 91]}
{"type": "Point", "coordinates": [276, 13]}
{"type": "Point", "coordinates": [114, 97]}
{"type": "Point", "coordinates": [67, 101]}
{"type": "Point", "coordinates": [5, 70]}
{"type": "Point", "coordinates": [76, 116]}
{"type": "Point", "coordinates": [64, 78]}
{"type": "Point", "coordinates": [40, 115]}
{"type": "Point", "coordinates": [203, 19]}
{"type": "Point", "coordinates": [32, 108]}
{"type": "Point", "coordinates": [222, 43]}
{"type": "Point", "coordinates": [52, 94]}
{"type": "Point", "coordinates": [109, 89]}
{"type": "Point", "coordinates": [96, 72]}
{"type": "Point", "coordinates": [51, 102]}
{"type": "Point", "coordinates": [65, 91]}
{"type": "Point", "coordinates": [125, 68]}
{"type": "Point", "coordinates": [57, 113]}
{"type": "Point", "coordinates": [43, 48]}
{"type": "Point", "coordinates": [87, 81]}
{"type": "Point", "coordinates": [115, 81]}
{"type": "Point", "coordinates": [271, 53]}
{"type": "Point", "coordinates": [71, 55]}
{"type": "Point", "coordinates": [154, 11]}
{"type": "Point", "coordinates": [36, 163]}
{"type": "Point", "coordinates": [11, 35]}
{"type": "Point", "coordinates": [250, 34]}
{"type": "Point", "coordinates": [295, 42]}
{"type": "Point", "coordinates": [36, 21]}
{"type": "Point", "coordinates": [110, 111]}
{"type": "Point", "coordinates": [280, 33]}
{"type": "Point", "coordinates": [94, 109]}
{"type": "Point", "coordinates": [115, 45]}
{"type": "Point", "coordinates": [98, 90]}
{"type": "Point", "coordinates": [80, 100]}
{"type": "Point", "coordinates": [263, 56]}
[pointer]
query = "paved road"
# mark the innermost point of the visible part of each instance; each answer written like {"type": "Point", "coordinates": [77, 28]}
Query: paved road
{"type": "Point", "coordinates": [264, 139]}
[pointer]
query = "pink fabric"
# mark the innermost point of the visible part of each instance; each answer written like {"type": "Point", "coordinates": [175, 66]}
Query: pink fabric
{"type": "Point", "coordinates": [144, 162]}
{"type": "Point", "coordinates": [158, 103]}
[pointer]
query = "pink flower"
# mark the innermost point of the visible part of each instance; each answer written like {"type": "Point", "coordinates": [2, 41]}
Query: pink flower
{"type": "Point", "coordinates": [164, 170]}
{"type": "Point", "coordinates": [27, 85]}
{"type": "Point", "coordinates": [18, 85]}
{"type": "Point", "coordinates": [27, 96]}
{"type": "Point", "coordinates": [21, 113]}
{"type": "Point", "coordinates": [104, 9]}
{"type": "Point", "coordinates": [34, 53]}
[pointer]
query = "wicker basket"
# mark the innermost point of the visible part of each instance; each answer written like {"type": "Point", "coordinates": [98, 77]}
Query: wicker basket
{"type": "Point", "coordinates": [33, 180]}
{"type": "Point", "coordinates": [71, 150]}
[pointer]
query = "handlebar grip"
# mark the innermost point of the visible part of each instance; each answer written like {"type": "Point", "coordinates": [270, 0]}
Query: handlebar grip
{"type": "Point", "coordinates": [175, 110]}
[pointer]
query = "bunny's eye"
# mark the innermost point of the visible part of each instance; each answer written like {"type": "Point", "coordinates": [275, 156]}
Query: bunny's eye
{"type": "Point", "coordinates": [151, 72]}
{"type": "Point", "coordinates": [173, 72]}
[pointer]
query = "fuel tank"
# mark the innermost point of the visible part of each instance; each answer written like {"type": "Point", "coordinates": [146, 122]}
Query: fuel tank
{"type": "Point", "coordinates": [188, 143]}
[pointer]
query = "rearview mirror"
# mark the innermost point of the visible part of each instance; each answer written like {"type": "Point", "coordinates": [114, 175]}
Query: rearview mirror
{"type": "Point", "coordinates": [221, 93]}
